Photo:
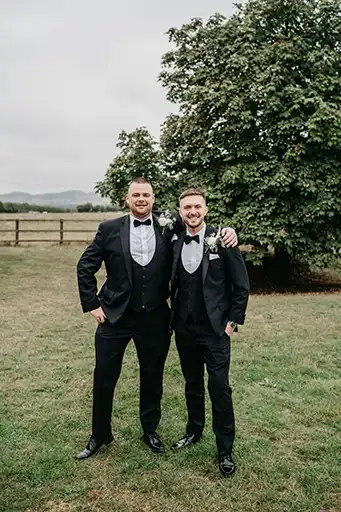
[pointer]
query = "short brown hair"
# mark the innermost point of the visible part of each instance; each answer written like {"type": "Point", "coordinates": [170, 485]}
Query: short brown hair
{"type": "Point", "coordinates": [140, 179]}
{"type": "Point", "coordinates": [192, 192]}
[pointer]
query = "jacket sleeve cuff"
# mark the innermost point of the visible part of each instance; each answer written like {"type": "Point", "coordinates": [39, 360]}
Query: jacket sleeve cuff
{"type": "Point", "coordinates": [238, 319]}
{"type": "Point", "coordinates": [90, 306]}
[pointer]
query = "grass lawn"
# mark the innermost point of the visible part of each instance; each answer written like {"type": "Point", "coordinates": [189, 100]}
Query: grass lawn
{"type": "Point", "coordinates": [286, 380]}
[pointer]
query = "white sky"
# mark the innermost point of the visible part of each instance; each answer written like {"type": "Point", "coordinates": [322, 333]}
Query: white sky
{"type": "Point", "coordinates": [74, 73]}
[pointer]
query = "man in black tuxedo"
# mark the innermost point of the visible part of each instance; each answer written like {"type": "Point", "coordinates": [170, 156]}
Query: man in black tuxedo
{"type": "Point", "coordinates": [209, 293]}
{"type": "Point", "coordinates": [132, 303]}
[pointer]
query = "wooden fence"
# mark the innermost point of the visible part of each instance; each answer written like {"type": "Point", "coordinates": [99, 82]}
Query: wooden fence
{"type": "Point", "coordinates": [19, 227]}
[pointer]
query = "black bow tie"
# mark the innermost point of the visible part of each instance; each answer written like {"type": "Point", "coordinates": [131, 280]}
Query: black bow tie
{"type": "Point", "coordinates": [189, 239]}
{"type": "Point", "coordinates": [139, 222]}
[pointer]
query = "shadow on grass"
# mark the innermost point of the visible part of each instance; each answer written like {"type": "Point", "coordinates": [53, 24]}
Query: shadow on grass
{"type": "Point", "coordinates": [275, 277]}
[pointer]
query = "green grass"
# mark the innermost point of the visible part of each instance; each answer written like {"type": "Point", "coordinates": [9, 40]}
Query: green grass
{"type": "Point", "coordinates": [286, 380]}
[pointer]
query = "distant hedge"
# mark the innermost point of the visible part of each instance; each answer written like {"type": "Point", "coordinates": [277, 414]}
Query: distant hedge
{"type": "Point", "coordinates": [26, 207]}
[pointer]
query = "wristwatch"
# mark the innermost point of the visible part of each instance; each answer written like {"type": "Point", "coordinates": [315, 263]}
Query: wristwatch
{"type": "Point", "coordinates": [234, 325]}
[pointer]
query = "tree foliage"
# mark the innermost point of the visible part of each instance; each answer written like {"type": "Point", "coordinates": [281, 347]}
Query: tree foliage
{"type": "Point", "coordinates": [28, 207]}
{"type": "Point", "coordinates": [89, 207]}
{"type": "Point", "coordinates": [139, 155]}
{"type": "Point", "coordinates": [258, 126]}
{"type": "Point", "coordinates": [260, 121]}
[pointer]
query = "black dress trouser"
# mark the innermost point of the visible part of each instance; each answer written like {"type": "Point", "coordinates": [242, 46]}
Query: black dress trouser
{"type": "Point", "coordinates": [198, 345]}
{"type": "Point", "coordinates": [150, 333]}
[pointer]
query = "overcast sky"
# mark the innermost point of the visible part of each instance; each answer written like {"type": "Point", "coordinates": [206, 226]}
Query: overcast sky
{"type": "Point", "coordinates": [74, 73]}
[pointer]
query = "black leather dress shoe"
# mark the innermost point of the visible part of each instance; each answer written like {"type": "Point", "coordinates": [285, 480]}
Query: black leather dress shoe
{"type": "Point", "coordinates": [226, 465]}
{"type": "Point", "coordinates": [154, 442]}
{"type": "Point", "coordinates": [186, 441]}
{"type": "Point", "coordinates": [93, 447]}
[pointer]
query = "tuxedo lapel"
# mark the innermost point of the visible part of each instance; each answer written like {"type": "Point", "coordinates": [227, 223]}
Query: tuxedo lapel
{"type": "Point", "coordinates": [176, 254]}
{"type": "Point", "coordinates": [205, 258]}
{"type": "Point", "coordinates": [159, 238]}
{"type": "Point", "coordinates": [125, 242]}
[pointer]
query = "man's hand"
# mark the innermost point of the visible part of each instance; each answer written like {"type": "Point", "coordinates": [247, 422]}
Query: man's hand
{"type": "Point", "coordinates": [229, 237]}
{"type": "Point", "coordinates": [229, 330]}
{"type": "Point", "coordinates": [98, 315]}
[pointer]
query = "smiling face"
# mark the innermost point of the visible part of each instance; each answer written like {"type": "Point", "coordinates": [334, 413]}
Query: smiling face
{"type": "Point", "coordinates": [140, 199]}
{"type": "Point", "coordinates": [193, 210]}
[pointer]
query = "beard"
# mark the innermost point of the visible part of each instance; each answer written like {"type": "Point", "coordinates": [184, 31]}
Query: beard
{"type": "Point", "coordinates": [141, 210]}
{"type": "Point", "coordinates": [194, 222]}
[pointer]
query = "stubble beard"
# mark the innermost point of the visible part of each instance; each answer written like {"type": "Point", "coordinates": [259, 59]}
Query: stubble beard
{"type": "Point", "coordinates": [198, 224]}
{"type": "Point", "coordinates": [139, 213]}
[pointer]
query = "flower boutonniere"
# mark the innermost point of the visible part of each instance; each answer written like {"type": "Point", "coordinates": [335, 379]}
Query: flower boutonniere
{"type": "Point", "coordinates": [166, 220]}
{"type": "Point", "coordinates": [213, 241]}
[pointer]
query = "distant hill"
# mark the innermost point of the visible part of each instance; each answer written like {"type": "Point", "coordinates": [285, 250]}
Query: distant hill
{"type": "Point", "coordinates": [67, 199]}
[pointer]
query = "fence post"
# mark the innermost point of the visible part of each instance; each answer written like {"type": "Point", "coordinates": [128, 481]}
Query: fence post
{"type": "Point", "coordinates": [61, 231]}
{"type": "Point", "coordinates": [16, 231]}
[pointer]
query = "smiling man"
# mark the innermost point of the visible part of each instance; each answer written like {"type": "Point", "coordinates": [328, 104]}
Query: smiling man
{"type": "Point", "coordinates": [209, 292]}
{"type": "Point", "coordinates": [132, 304]}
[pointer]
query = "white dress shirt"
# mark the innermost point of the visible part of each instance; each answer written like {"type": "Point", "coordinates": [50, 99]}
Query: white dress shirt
{"type": "Point", "coordinates": [192, 253]}
{"type": "Point", "coordinates": [142, 242]}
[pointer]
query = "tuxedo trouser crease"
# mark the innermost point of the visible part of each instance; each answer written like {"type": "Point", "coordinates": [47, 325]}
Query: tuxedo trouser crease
{"type": "Point", "coordinates": [199, 345]}
{"type": "Point", "coordinates": [150, 333]}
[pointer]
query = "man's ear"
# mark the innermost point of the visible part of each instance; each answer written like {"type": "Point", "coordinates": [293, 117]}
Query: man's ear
{"type": "Point", "coordinates": [179, 212]}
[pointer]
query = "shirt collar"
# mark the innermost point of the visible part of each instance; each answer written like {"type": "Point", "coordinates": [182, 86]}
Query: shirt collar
{"type": "Point", "coordinates": [132, 218]}
{"type": "Point", "coordinates": [201, 233]}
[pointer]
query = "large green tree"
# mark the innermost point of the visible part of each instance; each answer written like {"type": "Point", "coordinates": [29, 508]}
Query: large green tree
{"type": "Point", "coordinates": [259, 123]}
{"type": "Point", "coordinates": [139, 155]}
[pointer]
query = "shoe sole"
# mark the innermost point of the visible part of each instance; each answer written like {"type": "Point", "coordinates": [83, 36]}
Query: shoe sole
{"type": "Point", "coordinates": [101, 448]}
{"type": "Point", "coordinates": [154, 450]}
{"type": "Point", "coordinates": [179, 448]}
{"type": "Point", "coordinates": [227, 475]}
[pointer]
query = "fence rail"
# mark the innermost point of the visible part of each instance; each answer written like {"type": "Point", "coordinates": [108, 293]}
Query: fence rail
{"type": "Point", "coordinates": [62, 230]}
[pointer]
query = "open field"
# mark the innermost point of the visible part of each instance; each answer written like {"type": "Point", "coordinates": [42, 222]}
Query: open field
{"type": "Point", "coordinates": [45, 222]}
{"type": "Point", "coordinates": [286, 377]}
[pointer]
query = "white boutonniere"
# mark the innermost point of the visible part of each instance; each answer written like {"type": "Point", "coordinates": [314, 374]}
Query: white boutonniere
{"type": "Point", "coordinates": [166, 220]}
{"type": "Point", "coordinates": [213, 241]}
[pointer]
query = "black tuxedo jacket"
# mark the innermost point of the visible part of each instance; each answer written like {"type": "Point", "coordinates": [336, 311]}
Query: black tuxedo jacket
{"type": "Point", "coordinates": [225, 284]}
{"type": "Point", "coordinates": [111, 245]}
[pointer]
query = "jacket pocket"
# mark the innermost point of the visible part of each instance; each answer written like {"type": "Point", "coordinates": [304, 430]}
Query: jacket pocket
{"type": "Point", "coordinates": [223, 307]}
{"type": "Point", "coordinates": [108, 295]}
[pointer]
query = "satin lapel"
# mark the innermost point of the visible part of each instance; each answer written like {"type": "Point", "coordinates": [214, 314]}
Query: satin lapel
{"type": "Point", "coordinates": [125, 242]}
{"type": "Point", "coordinates": [176, 254]}
{"type": "Point", "coordinates": [159, 237]}
{"type": "Point", "coordinates": [205, 258]}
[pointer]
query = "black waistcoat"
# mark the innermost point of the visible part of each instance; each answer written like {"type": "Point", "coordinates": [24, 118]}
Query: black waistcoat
{"type": "Point", "coordinates": [190, 299]}
{"type": "Point", "coordinates": [150, 284]}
